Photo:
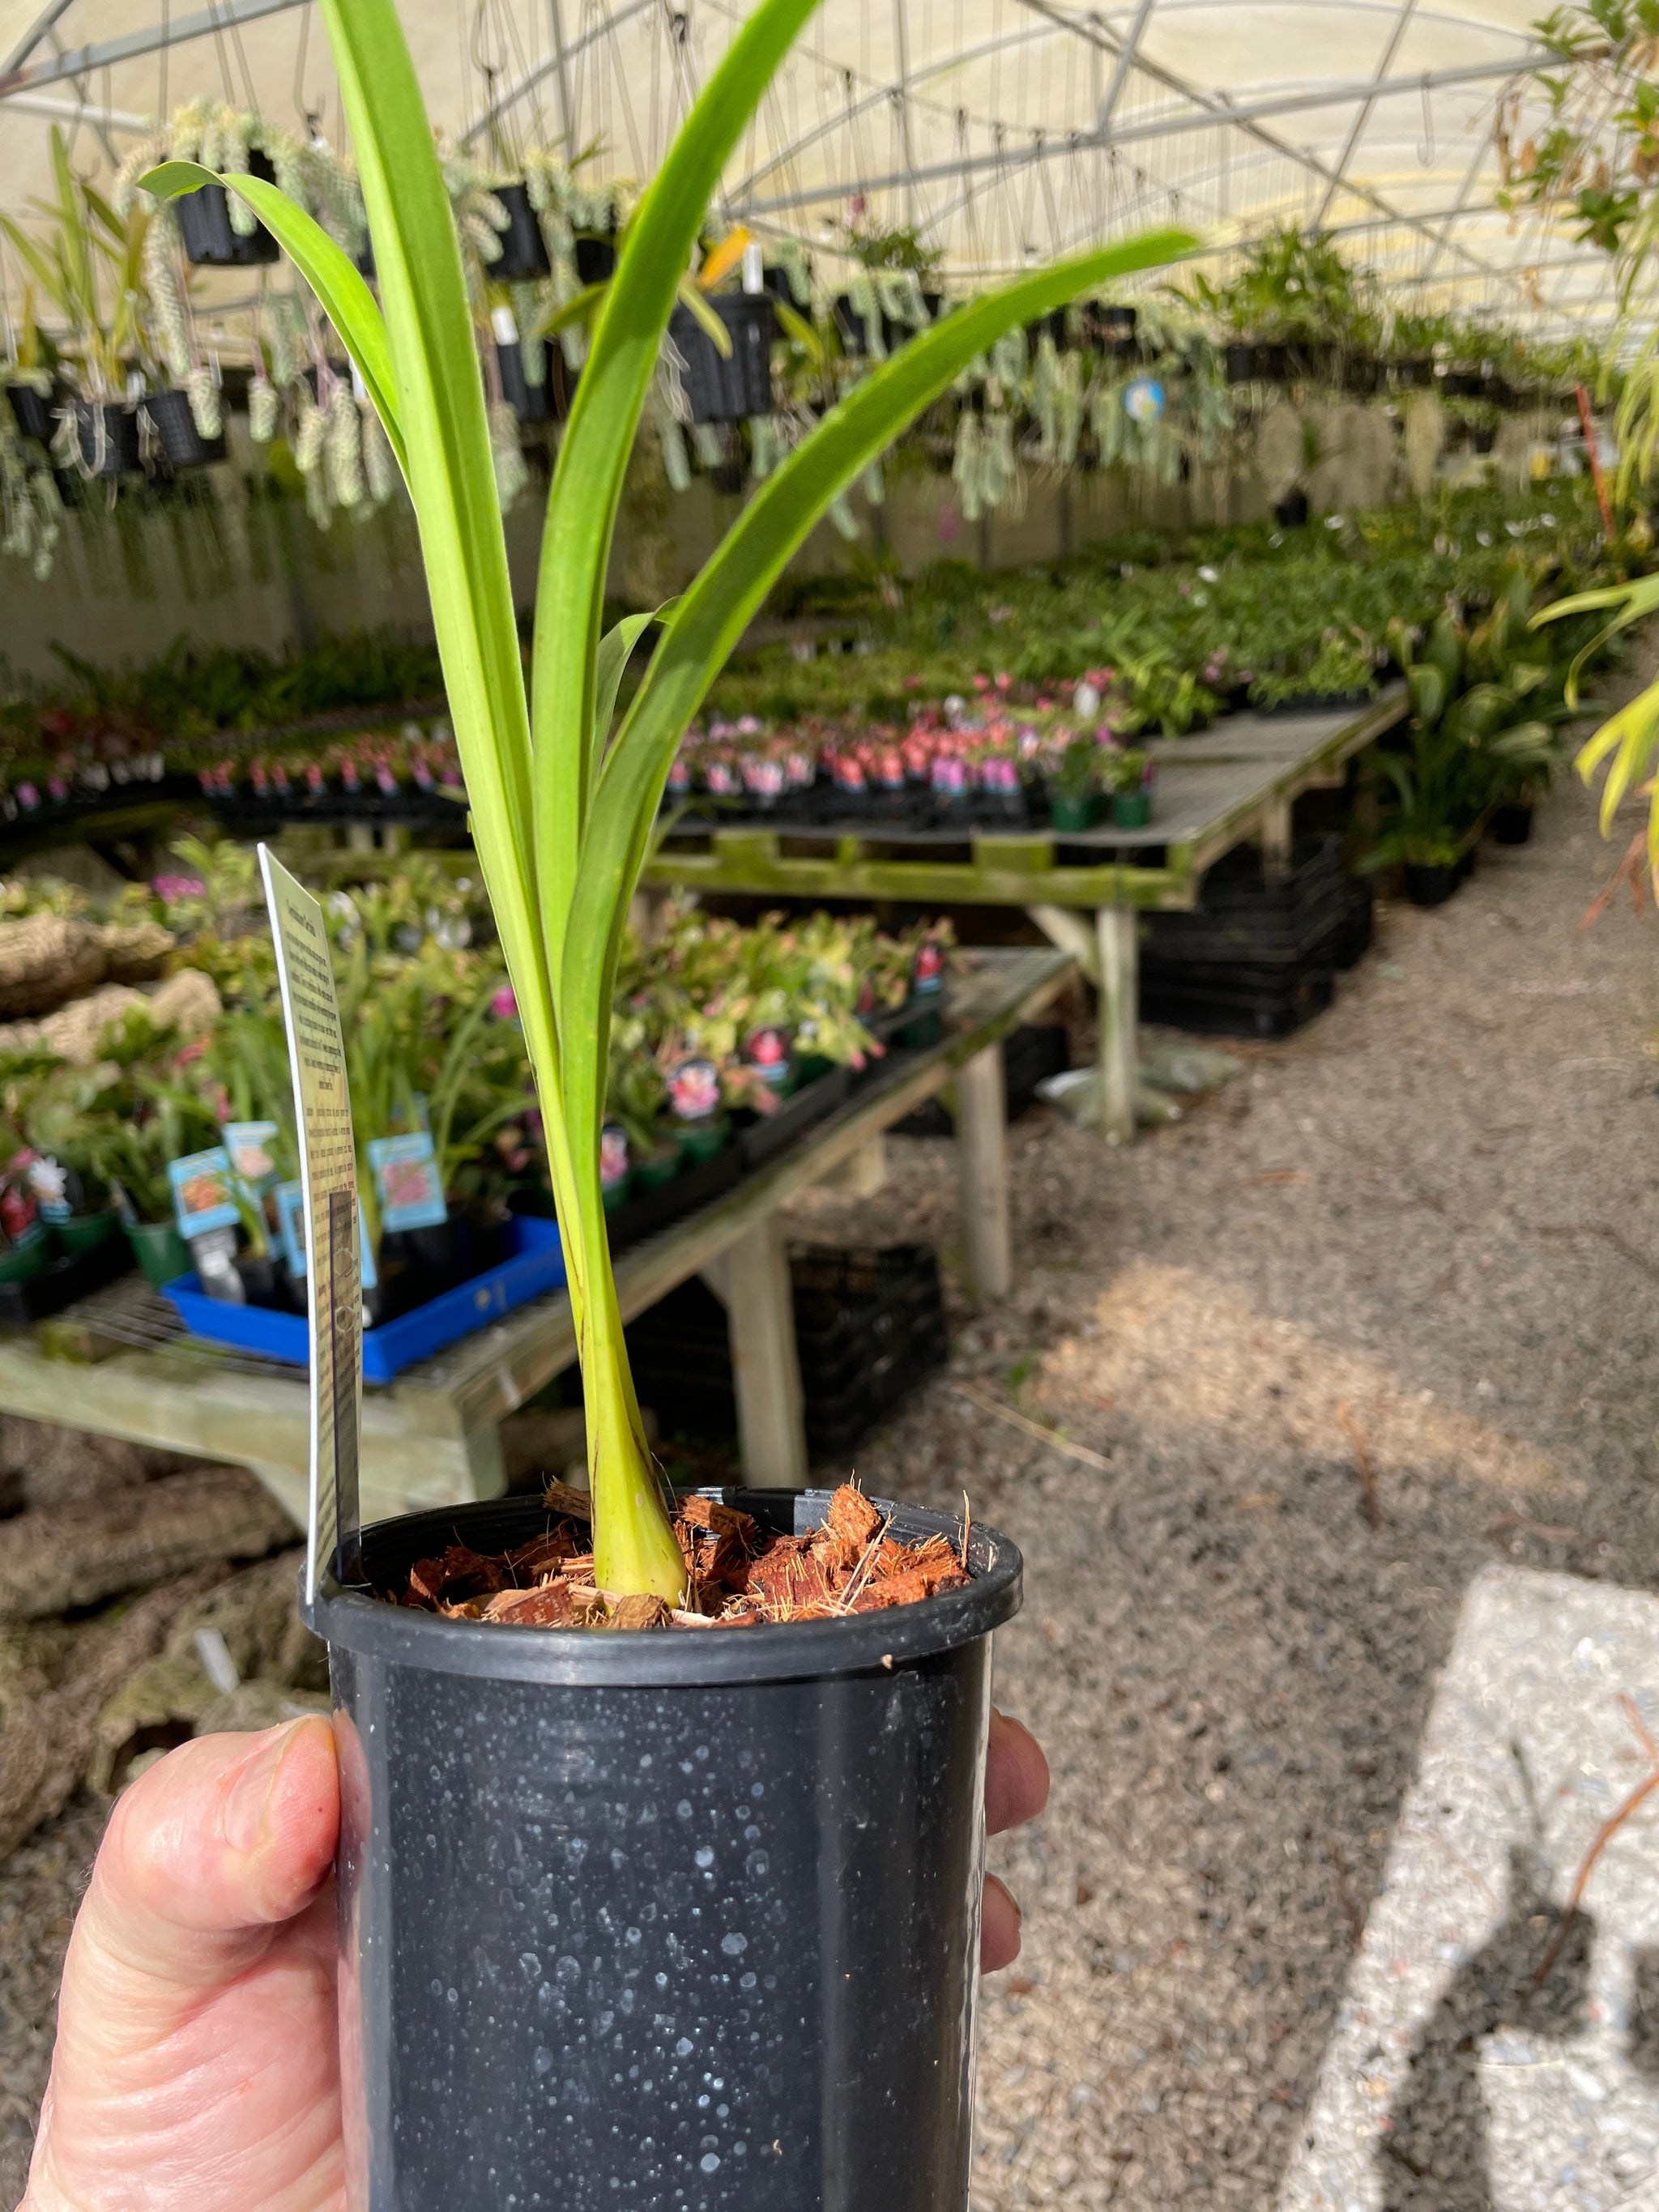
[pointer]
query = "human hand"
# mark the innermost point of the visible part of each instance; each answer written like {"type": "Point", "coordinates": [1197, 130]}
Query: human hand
{"type": "Point", "coordinates": [197, 2068]}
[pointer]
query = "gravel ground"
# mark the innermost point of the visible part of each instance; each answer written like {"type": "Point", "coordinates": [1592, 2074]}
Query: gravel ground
{"type": "Point", "coordinates": [1408, 1251]}
{"type": "Point", "coordinates": [1403, 1263]}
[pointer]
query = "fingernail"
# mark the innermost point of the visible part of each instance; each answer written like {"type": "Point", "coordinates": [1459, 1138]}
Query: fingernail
{"type": "Point", "coordinates": [245, 1801]}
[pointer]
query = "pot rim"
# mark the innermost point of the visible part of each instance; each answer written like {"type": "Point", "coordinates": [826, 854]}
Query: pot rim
{"type": "Point", "coordinates": [650, 1658]}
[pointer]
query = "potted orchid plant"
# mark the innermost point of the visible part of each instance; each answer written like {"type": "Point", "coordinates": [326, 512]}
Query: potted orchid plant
{"type": "Point", "coordinates": [651, 1907]}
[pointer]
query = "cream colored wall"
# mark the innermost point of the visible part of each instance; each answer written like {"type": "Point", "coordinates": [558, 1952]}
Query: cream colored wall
{"type": "Point", "coordinates": [124, 589]}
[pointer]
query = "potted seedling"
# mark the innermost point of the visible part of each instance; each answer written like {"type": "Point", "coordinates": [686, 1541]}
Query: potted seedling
{"type": "Point", "coordinates": [1076, 798]}
{"type": "Point", "coordinates": [674, 1862]}
{"type": "Point", "coordinates": [1128, 774]}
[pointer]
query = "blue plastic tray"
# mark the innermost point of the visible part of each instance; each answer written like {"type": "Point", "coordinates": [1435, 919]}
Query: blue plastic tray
{"type": "Point", "coordinates": [536, 1267]}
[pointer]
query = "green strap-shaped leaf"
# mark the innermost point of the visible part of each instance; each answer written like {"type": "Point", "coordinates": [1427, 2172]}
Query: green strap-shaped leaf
{"type": "Point", "coordinates": [594, 456]}
{"type": "Point", "coordinates": [615, 648]}
{"type": "Point", "coordinates": [719, 606]}
{"type": "Point", "coordinates": [341, 294]}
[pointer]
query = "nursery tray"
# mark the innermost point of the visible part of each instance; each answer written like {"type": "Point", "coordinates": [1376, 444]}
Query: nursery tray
{"type": "Point", "coordinates": [62, 1280]}
{"type": "Point", "coordinates": [534, 1266]}
{"type": "Point", "coordinates": [770, 1133]}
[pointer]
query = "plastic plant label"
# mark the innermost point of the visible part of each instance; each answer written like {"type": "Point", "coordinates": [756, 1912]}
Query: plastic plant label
{"type": "Point", "coordinates": [248, 1144]}
{"type": "Point", "coordinates": [328, 1176]}
{"type": "Point", "coordinates": [407, 1182]}
{"type": "Point", "coordinates": [53, 1187]}
{"type": "Point", "coordinates": [290, 1203]}
{"type": "Point", "coordinates": [694, 1090]}
{"type": "Point", "coordinates": [202, 1196]}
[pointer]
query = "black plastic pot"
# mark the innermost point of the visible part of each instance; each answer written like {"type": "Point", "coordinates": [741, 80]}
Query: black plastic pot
{"type": "Point", "coordinates": [109, 437]}
{"type": "Point", "coordinates": [721, 390]}
{"type": "Point", "coordinates": [211, 240]}
{"type": "Point", "coordinates": [1051, 325]}
{"type": "Point", "coordinates": [1485, 437]}
{"type": "Point", "coordinates": [1292, 513]}
{"type": "Point", "coordinates": [1115, 329]}
{"type": "Point", "coordinates": [36, 414]}
{"type": "Point", "coordinates": [1512, 824]}
{"type": "Point", "coordinates": [596, 259]}
{"type": "Point", "coordinates": [1430, 886]}
{"type": "Point", "coordinates": [1241, 364]}
{"type": "Point", "coordinates": [531, 403]}
{"type": "Point", "coordinates": [524, 250]}
{"type": "Point", "coordinates": [1273, 363]}
{"type": "Point", "coordinates": [181, 442]}
{"type": "Point", "coordinates": [654, 1920]}
{"type": "Point", "coordinates": [1413, 375]}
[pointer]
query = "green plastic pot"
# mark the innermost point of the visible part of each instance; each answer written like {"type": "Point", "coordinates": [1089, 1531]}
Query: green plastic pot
{"type": "Point", "coordinates": [657, 1168]}
{"type": "Point", "coordinates": [22, 1263]}
{"type": "Point", "coordinates": [159, 1249]}
{"type": "Point", "coordinates": [85, 1232]}
{"type": "Point", "coordinates": [704, 1141]}
{"type": "Point", "coordinates": [1077, 813]}
{"type": "Point", "coordinates": [1132, 810]}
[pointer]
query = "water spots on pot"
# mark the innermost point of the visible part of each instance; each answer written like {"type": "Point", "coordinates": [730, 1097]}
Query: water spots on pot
{"type": "Point", "coordinates": [704, 1855]}
{"type": "Point", "coordinates": [734, 1945]}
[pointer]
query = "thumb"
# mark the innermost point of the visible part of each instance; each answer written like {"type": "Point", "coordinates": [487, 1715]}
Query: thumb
{"type": "Point", "coordinates": [209, 1853]}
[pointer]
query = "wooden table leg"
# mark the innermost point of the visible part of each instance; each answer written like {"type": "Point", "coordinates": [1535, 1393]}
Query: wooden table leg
{"type": "Point", "coordinates": [1277, 836]}
{"type": "Point", "coordinates": [982, 1168]}
{"type": "Point", "coordinates": [753, 1279]}
{"type": "Point", "coordinates": [1117, 930]}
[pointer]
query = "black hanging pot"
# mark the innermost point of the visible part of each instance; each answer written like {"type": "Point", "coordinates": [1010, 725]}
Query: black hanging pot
{"type": "Point", "coordinates": [182, 444]}
{"type": "Point", "coordinates": [36, 412]}
{"type": "Point", "coordinates": [1051, 325]}
{"type": "Point", "coordinates": [855, 336]}
{"type": "Point", "coordinates": [108, 436]}
{"type": "Point", "coordinates": [524, 250]}
{"type": "Point", "coordinates": [1485, 437]}
{"type": "Point", "coordinates": [1273, 363]}
{"type": "Point", "coordinates": [531, 403]}
{"type": "Point", "coordinates": [719, 390]}
{"type": "Point", "coordinates": [210, 240]}
{"type": "Point", "coordinates": [1116, 327]}
{"type": "Point", "coordinates": [1362, 377]}
{"type": "Point", "coordinates": [596, 259]}
{"type": "Point", "coordinates": [1413, 375]}
{"type": "Point", "coordinates": [652, 1919]}
{"type": "Point", "coordinates": [1241, 364]}
{"type": "Point", "coordinates": [1292, 513]}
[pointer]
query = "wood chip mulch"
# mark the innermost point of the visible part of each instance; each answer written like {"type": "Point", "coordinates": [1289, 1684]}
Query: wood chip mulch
{"type": "Point", "coordinates": [738, 1574]}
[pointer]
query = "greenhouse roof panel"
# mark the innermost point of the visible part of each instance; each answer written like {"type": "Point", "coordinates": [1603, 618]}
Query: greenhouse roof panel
{"type": "Point", "coordinates": [1000, 131]}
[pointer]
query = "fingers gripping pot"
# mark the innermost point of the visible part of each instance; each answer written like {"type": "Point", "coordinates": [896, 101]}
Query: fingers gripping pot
{"type": "Point", "coordinates": [678, 1920]}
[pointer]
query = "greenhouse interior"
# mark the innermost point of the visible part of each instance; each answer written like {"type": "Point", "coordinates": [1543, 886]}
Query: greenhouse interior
{"type": "Point", "coordinates": [838, 820]}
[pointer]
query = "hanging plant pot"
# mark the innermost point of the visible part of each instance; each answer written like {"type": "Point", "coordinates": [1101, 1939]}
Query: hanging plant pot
{"type": "Point", "coordinates": [1463, 383]}
{"type": "Point", "coordinates": [524, 250]}
{"type": "Point", "coordinates": [531, 403]}
{"type": "Point", "coordinates": [695, 1911]}
{"type": "Point", "coordinates": [1413, 375]}
{"type": "Point", "coordinates": [596, 259]}
{"type": "Point", "coordinates": [210, 238]}
{"type": "Point", "coordinates": [1273, 363]}
{"type": "Point", "coordinates": [1051, 325]}
{"type": "Point", "coordinates": [182, 444]}
{"type": "Point", "coordinates": [1115, 328]}
{"type": "Point", "coordinates": [1241, 364]}
{"type": "Point", "coordinates": [36, 412]}
{"type": "Point", "coordinates": [1485, 438]}
{"type": "Point", "coordinates": [1292, 513]}
{"type": "Point", "coordinates": [108, 436]}
{"type": "Point", "coordinates": [719, 390]}
{"type": "Point", "coordinates": [1363, 377]}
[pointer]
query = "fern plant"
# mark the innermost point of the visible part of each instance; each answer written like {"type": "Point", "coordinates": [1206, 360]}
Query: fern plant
{"type": "Point", "coordinates": [562, 801]}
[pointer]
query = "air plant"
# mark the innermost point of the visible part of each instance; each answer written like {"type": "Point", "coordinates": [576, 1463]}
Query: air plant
{"type": "Point", "coordinates": [563, 803]}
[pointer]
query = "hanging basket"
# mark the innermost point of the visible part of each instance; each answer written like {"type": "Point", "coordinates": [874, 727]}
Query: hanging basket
{"type": "Point", "coordinates": [1241, 364]}
{"type": "Point", "coordinates": [211, 241]}
{"type": "Point", "coordinates": [1115, 329]}
{"type": "Point", "coordinates": [108, 436]}
{"type": "Point", "coordinates": [596, 259]}
{"type": "Point", "coordinates": [546, 402]}
{"type": "Point", "coordinates": [36, 413]}
{"type": "Point", "coordinates": [719, 390]}
{"type": "Point", "coordinates": [524, 250]}
{"type": "Point", "coordinates": [183, 446]}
